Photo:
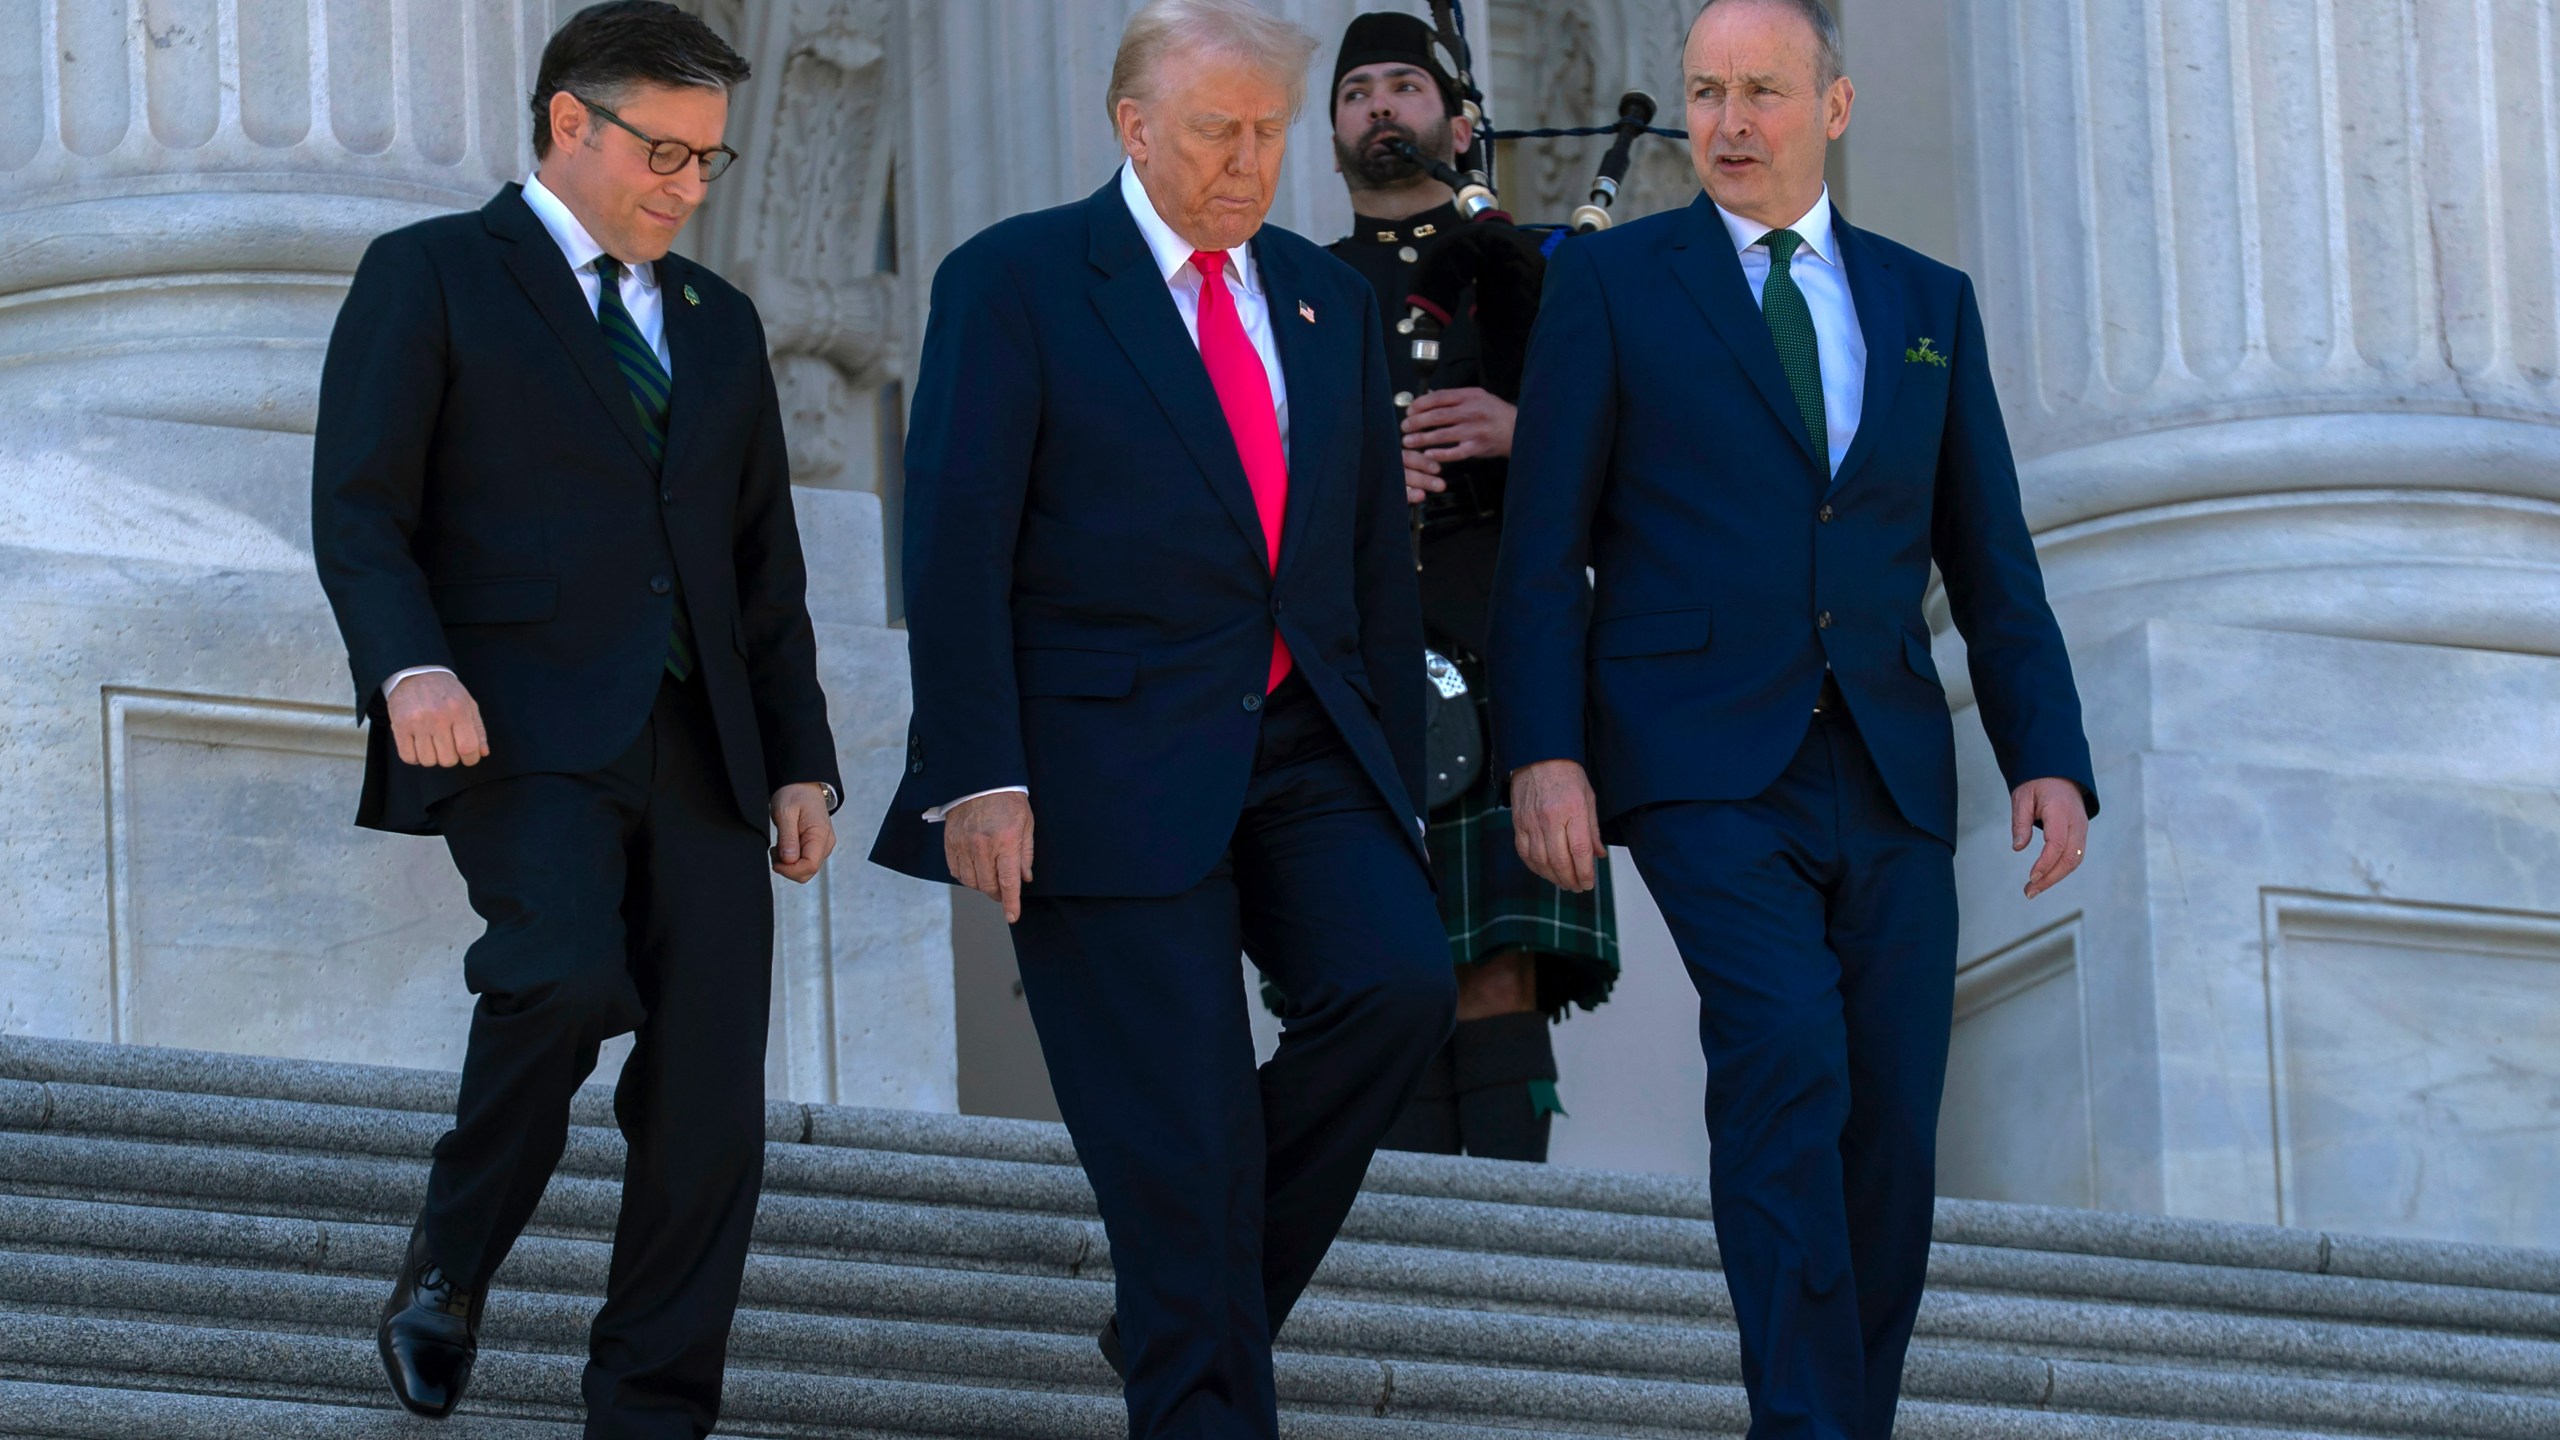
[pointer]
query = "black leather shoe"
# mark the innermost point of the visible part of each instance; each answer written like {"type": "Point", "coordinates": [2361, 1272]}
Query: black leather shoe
{"type": "Point", "coordinates": [430, 1334]}
{"type": "Point", "coordinates": [1109, 1343]}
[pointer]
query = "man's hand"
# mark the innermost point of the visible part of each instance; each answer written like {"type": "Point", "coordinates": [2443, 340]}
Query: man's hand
{"type": "Point", "coordinates": [1555, 823]}
{"type": "Point", "coordinates": [434, 721]}
{"type": "Point", "coordinates": [1446, 426]}
{"type": "Point", "coordinates": [1421, 478]}
{"type": "Point", "coordinates": [803, 834]}
{"type": "Point", "coordinates": [2056, 805]}
{"type": "Point", "coordinates": [987, 843]}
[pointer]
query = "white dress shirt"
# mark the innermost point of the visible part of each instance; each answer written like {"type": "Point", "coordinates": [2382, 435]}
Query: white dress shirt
{"type": "Point", "coordinates": [1818, 273]}
{"type": "Point", "coordinates": [639, 296]}
{"type": "Point", "coordinates": [1244, 282]}
{"type": "Point", "coordinates": [1181, 277]}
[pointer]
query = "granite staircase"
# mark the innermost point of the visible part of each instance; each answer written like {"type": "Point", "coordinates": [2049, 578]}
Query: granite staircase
{"type": "Point", "coordinates": [193, 1247]}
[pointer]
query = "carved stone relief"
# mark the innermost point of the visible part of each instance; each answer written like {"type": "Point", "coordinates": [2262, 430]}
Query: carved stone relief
{"type": "Point", "coordinates": [800, 225]}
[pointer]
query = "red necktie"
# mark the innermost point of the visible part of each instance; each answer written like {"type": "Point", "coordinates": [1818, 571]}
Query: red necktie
{"type": "Point", "coordinates": [1244, 393]}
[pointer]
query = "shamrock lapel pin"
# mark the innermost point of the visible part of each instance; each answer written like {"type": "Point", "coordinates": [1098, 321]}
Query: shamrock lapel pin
{"type": "Point", "coordinates": [692, 299]}
{"type": "Point", "coordinates": [1306, 312]}
{"type": "Point", "coordinates": [1922, 354]}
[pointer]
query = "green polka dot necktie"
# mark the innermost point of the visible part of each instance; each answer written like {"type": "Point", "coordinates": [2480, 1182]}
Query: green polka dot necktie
{"type": "Point", "coordinates": [1791, 326]}
{"type": "Point", "coordinates": [650, 390]}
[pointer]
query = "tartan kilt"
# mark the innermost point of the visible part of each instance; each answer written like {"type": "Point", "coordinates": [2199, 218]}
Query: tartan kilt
{"type": "Point", "coordinates": [1491, 902]}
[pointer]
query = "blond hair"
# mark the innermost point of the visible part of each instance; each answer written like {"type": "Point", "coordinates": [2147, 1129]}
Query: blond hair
{"type": "Point", "coordinates": [1234, 28]}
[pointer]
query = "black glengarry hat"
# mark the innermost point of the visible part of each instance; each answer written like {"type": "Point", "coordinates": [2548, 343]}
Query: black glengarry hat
{"type": "Point", "coordinates": [1393, 39]}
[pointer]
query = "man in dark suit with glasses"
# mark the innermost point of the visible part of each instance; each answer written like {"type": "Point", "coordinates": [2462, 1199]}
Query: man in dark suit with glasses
{"type": "Point", "coordinates": [552, 510]}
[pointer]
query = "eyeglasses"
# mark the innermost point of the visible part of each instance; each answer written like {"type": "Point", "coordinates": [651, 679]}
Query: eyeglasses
{"type": "Point", "coordinates": [668, 157]}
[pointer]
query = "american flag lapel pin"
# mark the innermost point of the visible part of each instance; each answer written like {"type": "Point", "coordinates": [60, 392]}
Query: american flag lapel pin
{"type": "Point", "coordinates": [1306, 312]}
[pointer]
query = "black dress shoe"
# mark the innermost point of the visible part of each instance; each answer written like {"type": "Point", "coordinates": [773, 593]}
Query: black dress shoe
{"type": "Point", "coordinates": [1109, 1343]}
{"type": "Point", "coordinates": [430, 1334]}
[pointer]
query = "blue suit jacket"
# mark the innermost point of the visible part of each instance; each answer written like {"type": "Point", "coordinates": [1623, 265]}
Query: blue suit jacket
{"type": "Point", "coordinates": [1089, 607]}
{"type": "Point", "coordinates": [1659, 445]}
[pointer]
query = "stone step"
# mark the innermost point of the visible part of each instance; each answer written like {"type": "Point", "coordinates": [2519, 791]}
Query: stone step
{"type": "Point", "coordinates": [1002, 1350]}
{"type": "Point", "coordinates": [39, 1411]}
{"type": "Point", "coordinates": [187, 1275]}
{"type": "Point", "coordinates": [1980, 1223]}
{"type": "Point", "coordinates": [1323, 1397]}
{"type": "Point", "coordinates": [1417, 1261]}
{"type": "Point", "coordinates": [222, 1226]}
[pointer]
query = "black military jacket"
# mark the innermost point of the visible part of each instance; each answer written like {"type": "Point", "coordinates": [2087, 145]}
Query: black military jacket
{"type": "Point", "coordinates": [1462, 528]}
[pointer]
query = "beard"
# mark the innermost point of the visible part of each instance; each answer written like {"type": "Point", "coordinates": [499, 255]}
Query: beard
{"type": "Point", "coordinates": [1374, 168]}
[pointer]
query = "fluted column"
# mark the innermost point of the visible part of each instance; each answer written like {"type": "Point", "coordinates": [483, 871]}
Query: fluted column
{"type": "Point", "coordinates": [2294, 261]}
{"type": "Point", "coordinates": [183, 173]}
{"type": "Point", "coordinates": [2273, 293]}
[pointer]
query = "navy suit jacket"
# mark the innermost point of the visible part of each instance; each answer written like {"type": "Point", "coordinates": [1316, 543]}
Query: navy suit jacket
{"type": "Point", "coordinates": [1089, 606]}
{"type": "Point", "coordinates": [1658, 444]}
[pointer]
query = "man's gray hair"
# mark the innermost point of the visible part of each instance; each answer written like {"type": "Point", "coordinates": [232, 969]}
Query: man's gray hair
{"type": "Point", "coordinates": [1234, 28]}
{"type": "Point", "coordinates": [1826, 34]}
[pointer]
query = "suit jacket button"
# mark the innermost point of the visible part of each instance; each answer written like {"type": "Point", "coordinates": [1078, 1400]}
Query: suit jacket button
{"type": "Point", "coordinates": [669, 496]}
{"type": "Point", "coordinates": [916, 769]}
{"type": "Point", "coordinates": [1822, 621]}
{"type": "Point", "coordinates": [1825, 516]}
{"type": "Point", "coordinates": [1252, 703]}
{"type": "Point", "coordinates": [660, 585]}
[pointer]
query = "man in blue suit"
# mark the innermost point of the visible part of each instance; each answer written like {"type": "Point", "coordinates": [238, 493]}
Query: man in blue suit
{"type": "Point", "coordinates": [1159, 592]}
{"type": "Point", "coordinates": [1757, 426]}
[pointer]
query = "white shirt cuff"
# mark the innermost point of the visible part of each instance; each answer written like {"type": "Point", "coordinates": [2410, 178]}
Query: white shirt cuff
{"type": "Point", "coordinates": [934, 815]}
{"type": "Point", "coordinates": [394, 682]}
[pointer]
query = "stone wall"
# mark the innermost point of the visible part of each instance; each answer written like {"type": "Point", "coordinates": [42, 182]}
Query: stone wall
{"type": "Point", "coordinates": [189, 185]}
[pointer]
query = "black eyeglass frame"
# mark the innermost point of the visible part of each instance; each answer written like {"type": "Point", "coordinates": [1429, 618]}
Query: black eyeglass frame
{"type": "Point", "coordinates": [715, 162]}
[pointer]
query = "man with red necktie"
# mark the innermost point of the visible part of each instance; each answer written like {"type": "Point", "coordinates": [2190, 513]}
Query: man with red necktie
{"type": "Point", "coordinates": [1160, 596]}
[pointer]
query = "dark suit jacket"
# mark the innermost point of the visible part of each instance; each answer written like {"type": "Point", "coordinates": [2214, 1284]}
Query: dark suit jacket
{"type": "Point", "coordinates": [1658, 443]}
{"type": "Point", "coordinates": [482, 498]}
{"type": "Point", "coordinates": [1089, 606]}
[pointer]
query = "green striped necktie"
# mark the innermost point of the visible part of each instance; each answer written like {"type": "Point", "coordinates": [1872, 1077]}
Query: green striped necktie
{"type": "Point", "coordinates": [1799, 353]}
{"type": "Point", "coordinates": [650, 389]}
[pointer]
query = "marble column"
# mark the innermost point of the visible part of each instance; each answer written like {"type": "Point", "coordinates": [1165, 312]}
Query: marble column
{"type": "Point", "coordinates": [189, 186]}
{"type": "Point", "coordinates": [2271, 294]}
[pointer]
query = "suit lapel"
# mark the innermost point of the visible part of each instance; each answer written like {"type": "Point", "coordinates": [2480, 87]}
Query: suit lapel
{"type": "Point", "coordinates": [543, 272]}
{"type": "Point", "coordinates": [1878, 300]}
{"type": "Point", "coordinates": [690, 363]}
{"type": "Point", "coordinates": [1138, 310]}
{"type": "Point", "coordinates": [1301, 373]}
{"type": "Point", "coordinates": [1703, 258]}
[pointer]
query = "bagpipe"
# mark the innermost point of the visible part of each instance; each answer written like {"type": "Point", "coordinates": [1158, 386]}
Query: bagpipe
{"type": "Point", "coordinates": [1501, 263]}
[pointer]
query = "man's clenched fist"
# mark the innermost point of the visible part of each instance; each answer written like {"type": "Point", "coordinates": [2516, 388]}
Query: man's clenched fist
{"type": "Point", "coordinates": [434, 721]}
{"type": "Point", "coordinates": [803, 835]}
